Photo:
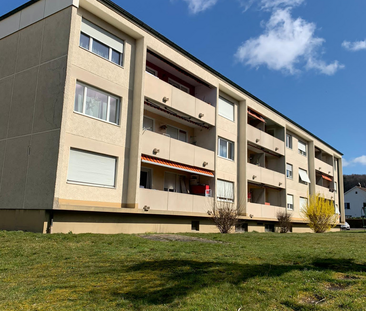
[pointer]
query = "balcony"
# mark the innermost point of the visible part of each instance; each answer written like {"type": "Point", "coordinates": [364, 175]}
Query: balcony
{"type": "Point", "coordinates": [262, 211]}
{"type": "Point", "coordinates": [176, 150]}
{"type": "Point", "coordinates": [324, 191]}
{"type": "Point", "coordinates": [179, 100]}
{"type": "Point", "coordinates": [174, 202]}
{"type": "Point", "coordinates": [323, 167]}
{"type": "Point", "coordinates": [265, 140]}
{"type": "Point", "coordinates": [261, 175]}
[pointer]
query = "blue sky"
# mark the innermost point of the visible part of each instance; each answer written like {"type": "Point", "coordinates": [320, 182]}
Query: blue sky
{"type": "Point", "coordinates": [305, 58]}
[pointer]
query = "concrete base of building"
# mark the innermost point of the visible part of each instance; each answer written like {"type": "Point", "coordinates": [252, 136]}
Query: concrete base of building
{"type": "Point", "coordinates": [65, 221]}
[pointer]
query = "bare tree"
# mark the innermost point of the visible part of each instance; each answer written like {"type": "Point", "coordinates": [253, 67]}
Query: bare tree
{"type": "Point", "coordinates": [284, 221]}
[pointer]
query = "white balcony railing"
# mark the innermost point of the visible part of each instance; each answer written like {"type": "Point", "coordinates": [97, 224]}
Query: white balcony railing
{"type": "Point", "coordinates": [262, 175]}
{"type": "Point", "coordinates": [265, 140]}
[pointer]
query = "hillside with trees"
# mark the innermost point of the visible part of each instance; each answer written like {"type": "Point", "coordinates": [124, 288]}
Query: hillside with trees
{"type": "Point", "coordinates": [353, 180]}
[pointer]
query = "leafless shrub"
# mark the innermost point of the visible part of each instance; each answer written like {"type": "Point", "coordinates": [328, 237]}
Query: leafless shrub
{"type": "Point", "coordinates": [284, 221]}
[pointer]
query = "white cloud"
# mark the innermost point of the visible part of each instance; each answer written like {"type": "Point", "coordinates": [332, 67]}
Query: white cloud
{"type": "Point", "coordinates": [359, 160]}
{"type": "Point", "coordinates": [320, 65]}
{"type": "Point", "coordinates": [196, 6]}
{"type": "Point", "coordinates": [270, 4]}
{"type": "Point", "coordinates": [285, 43]}
{"type": "Point", "coordinates": [354, 46]}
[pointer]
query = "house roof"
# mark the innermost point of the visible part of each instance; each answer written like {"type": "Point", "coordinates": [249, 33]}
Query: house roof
{"type": "Point", "coordinates": [147, 28]}
{"type": "Point", "coordinates": [361, 188]}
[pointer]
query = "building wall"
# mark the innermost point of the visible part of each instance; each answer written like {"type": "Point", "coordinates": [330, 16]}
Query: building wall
{"type": "Point", "coordinates": [32, 80]}
{"type": "Point", "coordinates": [356, 197]}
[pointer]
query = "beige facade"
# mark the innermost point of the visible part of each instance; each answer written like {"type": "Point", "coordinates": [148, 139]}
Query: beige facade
{"type": "Point", "coordinates": [109, 127]}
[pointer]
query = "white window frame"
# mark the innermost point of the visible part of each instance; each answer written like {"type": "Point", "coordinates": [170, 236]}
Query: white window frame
{"type": "Point", "coordinates": [85, 183]}
{"type": "Point", "coordinates": [302, 152]}
{"type": "Point", "coordinates": [292, 171]}
{"type": "Point", "coordinates": [179, 85]}
{"type": "Point", "coordinates": [229, 103]}
{"type": "Point", "coordinates": [153, 124]}
{"type": "Point", "coordinates": [118, 108]}
{"type": "Point", "coordinates": [301, 180]}
{"type": "Point", "coordinates": [222, 198]}
{"type": "Point", "coordinates": [151, 71]}
{"type": "Point", "coordinates": [289, 205]}
{"type": "Point", "coordinates": [228, 142]}
{"type": "Point", "coordinates": [289, 141]}
{"type": "Point", "coordinates": [87, 28]}
{"type": "Point", "coordinates": [301, 201]}
{"type": "Point", "coordinates": [335, 187]}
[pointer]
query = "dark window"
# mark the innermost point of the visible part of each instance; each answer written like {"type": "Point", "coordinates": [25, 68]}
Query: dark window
{"type": "Point", "coordinates": [241, 228]}
{"type": "Point", "coordinates": [195, 225]}
{"type": "Point", "coordinates": [347, 205]}
{"type": "Point", "coordinates": [269, 228]}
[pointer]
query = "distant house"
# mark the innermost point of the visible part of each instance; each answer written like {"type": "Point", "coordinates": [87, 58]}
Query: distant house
{"type": "Point", "coordinates": [354, 200]}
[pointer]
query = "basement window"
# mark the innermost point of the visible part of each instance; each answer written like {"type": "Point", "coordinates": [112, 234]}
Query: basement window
{"type": "Point", "coordinates": [195, 225]}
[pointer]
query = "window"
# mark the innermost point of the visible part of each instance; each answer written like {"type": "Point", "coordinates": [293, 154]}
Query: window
{"type": "Point", "coordinates": [226, 109]}
{"type": "Point", "coordinates": [302, 148]}
{"type": "Point", "coordinates": [347, 205]}
{"type": "Point", "coordinates": [290, 202]}
{"type": "Point", "coordinates": [303, 203]}
{"type": "Point", "coordinates": [148, 124]}
{"type": "Point", "coordinates": [225, 190]}
{"type": "Point", "coordinates": [335, 187]}
{"type": "Point", "coordinates": [96, 103]}
{"type": "Point", "coordinates": [288, 141]}
{"type": "Point", "coordinates": [176, 133]}
{"type": "Point", "coordinates": [335, 164]}
{"type": "Point", "coordinates": [289, 170]}
{"type": "Point", "coordinates": [91, 168]}
{"type": "Point", "coordinates": [175, 183]}
{"type": "Point", "coordinates": [269, 228]}
{"type": "Point", "coordinates": [178, 85]}
{"type": "Point", "coordinates": [226, 149]}
{"type": "Point", "coordinates": [101, 42]}
{"type": "Point", "coordinates": [146, 178]}
{"type": "Point", "coordinates": [195, 225]}
{"type": "Point", "coordinates": [151, 71]}
{"type": "Point", "coordinates": [336, 209]}
{"type": "Point", "coordinates": [303, 177]}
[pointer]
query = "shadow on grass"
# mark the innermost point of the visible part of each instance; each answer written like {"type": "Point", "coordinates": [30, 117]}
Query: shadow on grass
{"type": "Point", "coordinates": [168, 280]}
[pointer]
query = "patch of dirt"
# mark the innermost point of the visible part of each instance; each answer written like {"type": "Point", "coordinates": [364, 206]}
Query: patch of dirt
{"type": "Point", "coordinates": [335, 287]}
{"type": "Point", "coordinates": [311, 300]}
{"type": "Point", "coordinates": [348, 277]}
{"type": "Point", "coordinates": [176, 237]}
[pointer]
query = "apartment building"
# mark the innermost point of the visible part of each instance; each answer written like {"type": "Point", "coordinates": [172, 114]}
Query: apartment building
{"type": "Point", "coordinates": [106, 126]}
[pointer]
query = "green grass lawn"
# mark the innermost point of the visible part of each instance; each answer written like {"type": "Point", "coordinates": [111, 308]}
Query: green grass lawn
{"type": "Point", "coordinates": [254, 271]}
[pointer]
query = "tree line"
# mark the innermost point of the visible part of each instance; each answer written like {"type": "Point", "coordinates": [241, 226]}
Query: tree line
{"type": "Point", "coordinates": [353, 180]}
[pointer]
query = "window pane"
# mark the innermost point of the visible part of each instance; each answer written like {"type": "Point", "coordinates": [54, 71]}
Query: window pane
{"type": "Point", "coordinates": [172, 132]}
{"type": "Point", "coordinates": [79, 98]}
{"type": "Point", "coordinates": [148, 124]}
{"type": "Point", "coordinates": [100, 49]}
{"type": "Point", "coordinates": [113, 110]}
{"type": "Point", "coordinates": [226, 109]}
{"type": "Point", "coordinates": [96, 104]}
{"type": "Point", "coordinates": [182, 136]}
{"type": "Point", "coordinates": [84, 41]}
{"type": "Point", "coordinates": [116, 57]}
{"type": "Point", "coordinates": [223, 148]}
{"type": "Point", "coordinates": [231, 151]}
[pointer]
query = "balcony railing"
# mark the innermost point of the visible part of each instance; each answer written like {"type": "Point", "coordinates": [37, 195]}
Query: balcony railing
{"type": "Point", "coordinates": [164, 93]}
{"type": "Point", "coordinates": [326, 192]}
{"type": "Point", "coordinates": [176, 150]}
{"type": "Point", "coordinates": [262, 175]}
{"type": "Point", "coordinates": [255, 210]}
{"type": "Point", "coordinates": [265, 140]}
{"type": "Point", "coordinates": [175, 202]}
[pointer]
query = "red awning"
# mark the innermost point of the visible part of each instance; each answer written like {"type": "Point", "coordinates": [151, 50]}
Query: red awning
{"type": "Point", "coordinates": [327, 178]}
{"type": "Point", "coordinates": [177, 166]}
{"type": "Point", "coordinates": [256, 116]}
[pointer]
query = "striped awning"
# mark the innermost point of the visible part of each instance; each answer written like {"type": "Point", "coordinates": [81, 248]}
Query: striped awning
{"type": "Point", "coordinates": [177, 166]}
